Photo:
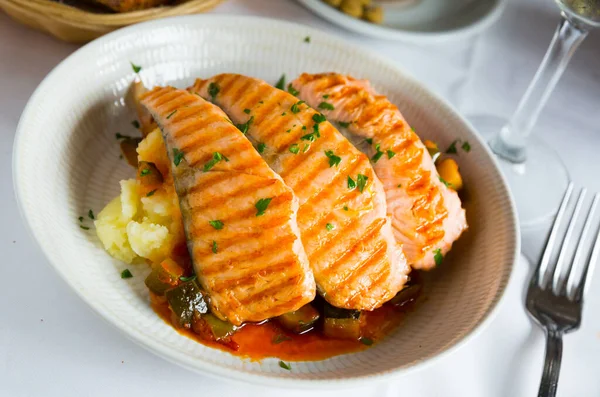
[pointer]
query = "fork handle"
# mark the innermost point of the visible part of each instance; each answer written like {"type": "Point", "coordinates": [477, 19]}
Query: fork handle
{"type": "Point", "coordinates": [552, 364]}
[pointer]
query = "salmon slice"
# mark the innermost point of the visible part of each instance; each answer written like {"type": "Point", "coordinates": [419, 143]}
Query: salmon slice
{"type": "Point", "coordinates": [426, 215]}
{"type": "Point", "coordinates": [239, 216]}
{"type": "Point", "coordinates": [342, 216]}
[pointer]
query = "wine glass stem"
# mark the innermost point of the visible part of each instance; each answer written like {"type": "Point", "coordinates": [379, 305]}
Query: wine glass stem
{"type": "Point", "coordinates": [510, 142]}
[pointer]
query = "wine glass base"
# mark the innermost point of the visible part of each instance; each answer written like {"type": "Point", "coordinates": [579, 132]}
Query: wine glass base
{"type": "Point", "coordinates": [537, 185]}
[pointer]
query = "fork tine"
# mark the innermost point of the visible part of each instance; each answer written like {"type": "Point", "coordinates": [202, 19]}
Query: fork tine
{"type": "Point", "coordinates": [556, 282]}
{"type": "Point", "coordinates": [580, 288]}
{"type": "Point", "coordinates": [543, 265]}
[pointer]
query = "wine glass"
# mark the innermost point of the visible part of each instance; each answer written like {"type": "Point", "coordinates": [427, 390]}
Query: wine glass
{"type": "Point", "coordinates": [536, 174]}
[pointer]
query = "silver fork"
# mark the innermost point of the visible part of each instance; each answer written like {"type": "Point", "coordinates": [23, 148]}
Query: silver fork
{"type": "Point", "coordinates": [554, 297]}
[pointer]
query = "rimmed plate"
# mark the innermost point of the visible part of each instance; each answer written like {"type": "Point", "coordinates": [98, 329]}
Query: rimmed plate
{"type": "Point", "coordinates": [421, 21]}
{"type": "Point", "coordinates": [66, 161]}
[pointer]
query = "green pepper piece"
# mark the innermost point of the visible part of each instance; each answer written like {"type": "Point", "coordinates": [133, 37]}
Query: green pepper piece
{"type": "Point", "coordinates": [342, 328]}
{"type": "Point", "coordinates": [165, 275]}
{"type": "Point", "coordinates": [300, 320]}
{"type": "Point", "coordinates": [406, 295]}
{"type": "Point", "coordinates": [335, 312]}
{"type": "Point", "coordinates": [184, 300]}
{"type": "Point", "coordinates": [220, 329]}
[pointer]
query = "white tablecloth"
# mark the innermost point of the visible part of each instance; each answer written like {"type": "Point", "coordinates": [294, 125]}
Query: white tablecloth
{"type": "Point", "coordinates": [51, 344]}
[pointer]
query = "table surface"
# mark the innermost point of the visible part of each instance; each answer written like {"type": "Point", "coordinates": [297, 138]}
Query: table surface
{"type": "Point", "coordinates": [51, 344]}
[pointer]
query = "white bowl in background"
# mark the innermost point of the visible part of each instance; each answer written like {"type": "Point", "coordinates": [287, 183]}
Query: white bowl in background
{"type": "Point", "coordinates": [66, 161]}
{"type": "Point", "coordinates": [420, 21]}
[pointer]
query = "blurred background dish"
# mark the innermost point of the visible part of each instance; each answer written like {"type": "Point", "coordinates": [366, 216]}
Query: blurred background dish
{"type": "Point", "coordinates": [80, 21]}
{"type": "Point", "coordinates": [410, 20]}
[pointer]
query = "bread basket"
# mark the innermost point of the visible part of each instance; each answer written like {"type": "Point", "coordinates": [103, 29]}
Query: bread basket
{"type": "Point", "coordinates": [77, 25]}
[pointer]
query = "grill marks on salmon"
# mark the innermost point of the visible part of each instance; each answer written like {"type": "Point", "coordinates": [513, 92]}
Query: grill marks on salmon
{"type": "Point", "coordinates": [426, 215]}
{"type": "Point", "coordinates": [346, 233]}
{"type": "Point", "coordinates": [260, 269]}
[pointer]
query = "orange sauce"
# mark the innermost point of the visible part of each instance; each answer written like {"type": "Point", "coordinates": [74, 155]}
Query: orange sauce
{"type": "Point", "coordinates": [258, 341]}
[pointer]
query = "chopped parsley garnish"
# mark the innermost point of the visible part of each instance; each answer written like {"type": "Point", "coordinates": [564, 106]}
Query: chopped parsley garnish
{"type": "Point", "coordinates": [283, 114]}
{"type": "Point", "coordinates": [135, 124]}
{"type": "Point", "coordinates": [216, 224]}
{"type": "Point", "coordinates": [283, 364]}
{"type": "Point", "coordinates": [262, 205]}
{"type": "Point", "coordinates": [304, 128]}
{"type": "Point", "coordinates": [281, 82]}
{"type": "Point", "coordinates": [307, 39]}
{"type": "Point", "coordinates": [135, 68]}
{"type": "Point", "coordinates": [309, 137]}
{"type": "Point", "coordinates": [189, 278]}
{"type": "Point", "coordinates": [306, 147]}
{"type": "Point", "coordinates": [247, 111]}
{"type": "Point", "coordinates": [244, 127]}
{"type": "Point", "coordinates": [261, 147]}
{"type": "Point", "coordinates": [345, 208]}
{"type": "Point", "coordinates": [151, 193]}
{"type": "Point", "coordinates": [216, 158]}
{"type": "Point", "coordinates": [294, 148]}
{"type": "Point", "coordinates": [333, 159]}
{"type": "Point", "coordinates": [84, 227]}
{"type": "Point", "coordinates": [213, 90]}
{"type": "Point", "coordinates": [325, 96]}
{"type": "Point", "coordinates": [120, 136]}
{"type": "Point", "coordinates": [369, 141]}
{"type": "Point", "coordinates": [277, 339]}
{"type": "Point", "coordinates": [399, 185]}
{"type": "Point", "coordinates": [326, 106]}
{"type": "Point", "coordinates": [452, 148]}
{"type": "Point", "coordinates": [438, 257]}
{"type": "Point", "coordinates": [171, 114]}
{"type": "Point", "coordinates": [351, 183]}
{"type": "Point", "coordinates": [318, 118]}
{"type": "Point", "coordinates": [145, 172]}
{"type": "Point", "coordinates": [366, 341]}
{"type": "Point", "coordinates": [126, 274]}
{"type": "Point", "coordinates": [292, 90]}
{"type": "Point", "coordinates": [296, 107]}
{"type": "Point", "coordinates": [344, 124]}
{"type": "Point", "coordinates": [376, 157]}
{"type": "Point", "coordinates": [177, 156]}
{"type": "Point", "coordinates": [329, 227]}
{"type": "Point", "coordinates": [361, 180]}
{"type": "Point", "coordinates": [390, 153]}
{"type": "Point", "coordinates": [80, 219]}
{"type": "Point", "coordinates": [448, 184]}
{"type": "Point", "coordinates": [91, 214]}
{"type": "Point", "coordinates": [214, 247]}
{"type": "Point", "coordinates": [466, 146]}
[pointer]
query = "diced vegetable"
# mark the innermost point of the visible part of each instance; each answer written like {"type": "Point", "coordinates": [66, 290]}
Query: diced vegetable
{"type": "Point", "coordinates": [185, 300]}
{"type": "Point", "coordinates": [373, 14]}
{"type": "Point", "coordinates": [220, 329]}
{"type": "Point", "coordinates": [342, 328]}
{"type": "Point", "coordinates": [164, 276]}
{"type": "Point", "coordinates": [433, 149]}
{"type": "Point", "coordinates": [354, 8]}
{"type": "Point", "coordinates": [406, 295]}
{"type": "Point", "coordinates": [341, 323]}
{"type": "Point", "coordinates": [128, 148]}
{"type": "Point", "coordinates": [210, 327]}
{"type": "Point", "coordinates": [148, 174]}
{"type": "Point", "coordinates": [448, 170]}
{"type": "Point", "coordinates": [299, 321]}
{"type": "Point", "coordinates": [330, 311]}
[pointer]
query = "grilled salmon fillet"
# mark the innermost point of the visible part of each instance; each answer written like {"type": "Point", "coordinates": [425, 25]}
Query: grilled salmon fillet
{"type": "Point", "coordinates": [342, 216]}
{"type": "Point", "coordinates": [239, 216]}
{"type": "Point", "coordinates": [426, 215]}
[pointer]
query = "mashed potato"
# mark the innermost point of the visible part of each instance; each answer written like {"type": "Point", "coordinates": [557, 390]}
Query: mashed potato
{"type": "Point", "coordinates": [143, 223]}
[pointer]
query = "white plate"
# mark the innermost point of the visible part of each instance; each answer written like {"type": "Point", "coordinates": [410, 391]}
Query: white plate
{"type": "Point", "coordinates": [66, 161]}
{"type": "Point", "coordinates": [423, 22]}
